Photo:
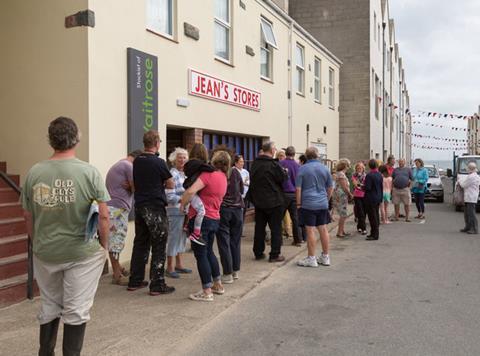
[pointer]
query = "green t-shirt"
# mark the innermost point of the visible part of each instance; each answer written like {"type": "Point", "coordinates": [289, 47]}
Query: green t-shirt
{"type": "Point", "coordinates": [59, 193]}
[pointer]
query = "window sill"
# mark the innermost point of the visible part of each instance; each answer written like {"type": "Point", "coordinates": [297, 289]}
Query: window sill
{"type": "Point", "coordinates": [331, 108]}
{"type": "Point", "coordinates": [163, 35]}
{"type": "Point", "coordinates": [267, 79]}
{"type": "Point", "coordinates": [224, 61]}
{"type": "Point", "coordinates": [301, 94]}
{"type": "Point", "coordinates": [318, 102]}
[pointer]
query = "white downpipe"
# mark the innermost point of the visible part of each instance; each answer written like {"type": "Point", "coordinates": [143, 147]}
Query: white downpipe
{"type": "Point", "coordinates": [290, 80]}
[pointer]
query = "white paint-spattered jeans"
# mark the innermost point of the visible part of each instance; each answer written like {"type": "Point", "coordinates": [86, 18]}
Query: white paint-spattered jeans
{"type": "Point", "coordinates": [67, 289]}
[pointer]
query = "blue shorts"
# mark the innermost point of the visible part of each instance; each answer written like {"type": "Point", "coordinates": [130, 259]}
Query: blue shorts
{"type": "Point", "coordinates": [313, 218]}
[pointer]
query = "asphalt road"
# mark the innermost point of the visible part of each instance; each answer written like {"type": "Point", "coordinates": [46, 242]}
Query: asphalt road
{"type": "Point", "coordinates": [416, 291]}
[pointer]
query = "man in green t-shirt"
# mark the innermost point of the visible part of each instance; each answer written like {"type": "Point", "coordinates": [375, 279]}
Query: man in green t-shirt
{"type": "Point", "coordinates": [57, 199]}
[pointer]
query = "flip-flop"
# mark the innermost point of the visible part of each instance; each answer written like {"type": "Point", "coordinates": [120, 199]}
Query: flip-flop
{"type": "Point", "coordinates": [183, 270]}
{"type": "Point", "coordinates": [173, 274]}
{"type": "Point", "coordinates": [408, 220]}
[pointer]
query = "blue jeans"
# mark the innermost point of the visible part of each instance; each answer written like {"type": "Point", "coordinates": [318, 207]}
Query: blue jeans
{"type": "Point", "coordinates": [207, 263]}
{"type": "Point", "coordinates": [228, 238]}
{"type": "Point", "coordinates": [420, 202]}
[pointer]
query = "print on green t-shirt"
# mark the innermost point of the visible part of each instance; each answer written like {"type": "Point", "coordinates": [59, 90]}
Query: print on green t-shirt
{"type": "Point", "coordinates": [59, 193]}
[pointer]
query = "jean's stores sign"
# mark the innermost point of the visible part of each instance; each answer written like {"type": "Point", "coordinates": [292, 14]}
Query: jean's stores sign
{"type": "Point", "coordinates": [142, 96]}
{"type": "Point", "coordinates": [208, 87]}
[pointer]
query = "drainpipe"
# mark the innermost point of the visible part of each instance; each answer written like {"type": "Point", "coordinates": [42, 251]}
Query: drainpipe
{"type": "Point", "coordinates": [290, 85]}
{"type": "Point", "coordinates": [384, 25]}
{"type": "Point", "coordinates": [391, 101]}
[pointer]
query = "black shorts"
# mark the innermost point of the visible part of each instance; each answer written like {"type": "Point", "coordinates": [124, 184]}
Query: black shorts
{"type": "Point", "coordinates": [313, 217]}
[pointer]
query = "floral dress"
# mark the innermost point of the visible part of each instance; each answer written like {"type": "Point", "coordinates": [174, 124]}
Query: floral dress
{"type": "Point", "coordinates": [341, 196]}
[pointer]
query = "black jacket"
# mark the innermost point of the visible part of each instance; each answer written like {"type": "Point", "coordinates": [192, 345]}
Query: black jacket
{"type": "Point", "coordinates": [266, 179]}
{"type": "Point", "coordinates": [373, 187]}
{"type": "Point", "coordinates": [193, 169]}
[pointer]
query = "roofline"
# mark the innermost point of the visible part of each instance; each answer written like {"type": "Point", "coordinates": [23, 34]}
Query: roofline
{"type": "Point", "coordinates": [304, 32]}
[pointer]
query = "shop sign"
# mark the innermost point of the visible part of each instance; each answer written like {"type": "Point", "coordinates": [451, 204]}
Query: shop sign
{"type": "Point", "coordinates": [208, 87]}
{"type": "Point", "coordinates": [142, 96]}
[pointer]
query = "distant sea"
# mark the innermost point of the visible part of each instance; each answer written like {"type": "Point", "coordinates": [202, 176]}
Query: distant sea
{"type": "Point", "coordinates": [441, 164]}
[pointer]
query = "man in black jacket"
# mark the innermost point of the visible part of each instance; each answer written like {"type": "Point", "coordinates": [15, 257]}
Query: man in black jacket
{"type": "Point", "coordinates": [266, 194]}
{"type": "Point", "coordinates": [373, 197]}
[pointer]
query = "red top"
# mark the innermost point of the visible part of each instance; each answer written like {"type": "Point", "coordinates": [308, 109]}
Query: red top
{"type": "Point", "coordinates": [212, 194]}
{"type": "Point", "coordinates": [390, 169]}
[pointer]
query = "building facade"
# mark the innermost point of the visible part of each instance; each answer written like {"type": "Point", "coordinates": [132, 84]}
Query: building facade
{"type": "Point", "coordinates": [473, 134]}
{"type": "Point", "coordinates": [218, 72]}
{"type": "Point", "coordinates": [374, 100]}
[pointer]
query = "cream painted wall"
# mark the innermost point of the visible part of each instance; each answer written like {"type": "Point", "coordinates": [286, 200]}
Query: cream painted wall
{"type": "Point", "coordinates": [44, 75]}
{"type": "Point", "coordinates": [122, 25]}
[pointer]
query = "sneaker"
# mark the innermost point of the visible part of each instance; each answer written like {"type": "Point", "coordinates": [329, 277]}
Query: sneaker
{"type": "Point", "coordinates": [197, 239]}
{"type": "Point", "coordinates": [307, 262]}
{"type": "Point", "coordinates": [236, 275]}
{"type": "Point", "coordinates": [161, 289]}
{"type": "Point", "coordinates": [227, 279]}
{"type": "Point", "coordinates": [218, 289]}
{"type": "Point", "coordinates": [364, 232]}
{"type": "Point", "coordinates": [133, 287]}
{"type": "Point", "coordinates": [201, 297]}
{"type": "Point", "coordinates": [279, 258]}
{"type": "Point", "coordinates": [324, 260]}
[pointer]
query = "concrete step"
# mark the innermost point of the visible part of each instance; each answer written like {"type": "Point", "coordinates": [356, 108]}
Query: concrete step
{"type": "Point", "coordinates": [14, 290]}
{"type": "Point", "coordinates": [14, 177]}
{"type": "Point", "coordinates": [12, 226]}
{"type": "Point", "coordinates": [10, 210]}
{"type": "Point", "coordinates": [13, 245]}
{"type": "Point", "coordinates": [13, 266]}
{"type": "Point", "coordinates": [8, 195]}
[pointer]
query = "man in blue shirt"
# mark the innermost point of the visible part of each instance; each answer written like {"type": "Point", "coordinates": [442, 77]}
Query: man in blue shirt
{"type": "Point", "coordinates": [313, 190]}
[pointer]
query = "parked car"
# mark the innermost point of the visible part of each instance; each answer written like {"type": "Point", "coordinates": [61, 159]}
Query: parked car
{"type": "Point", "coordinates": [434, 184]}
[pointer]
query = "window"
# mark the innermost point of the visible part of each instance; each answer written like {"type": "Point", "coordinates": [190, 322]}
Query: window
{"type": "Point", "coordinates": [378, 35]}
{"type": "Point", "coordinates": [331, 88]}
{"type": "Point", "coordinates": [300, 69]}
{"type": "Point", "coordinates": [317, 80]}
{"type": "Point", "coordinates": [375, 26]}
{"type": "Point", "coordinates": [377, 97]}
{"type": "Point", "coordinates": [160, 16]}
{"type": "Point", "coordinates": [267, 43]}
{"type": "Point", "coordinates": [222, 29]}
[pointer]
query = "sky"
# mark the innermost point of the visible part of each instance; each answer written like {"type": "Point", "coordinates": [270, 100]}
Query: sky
{"type": "Point", "coordinates": [439, 41]}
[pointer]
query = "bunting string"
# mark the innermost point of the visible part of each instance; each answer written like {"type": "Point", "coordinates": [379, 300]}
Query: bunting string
{"type": "Point", "coordinates": [437, 115]}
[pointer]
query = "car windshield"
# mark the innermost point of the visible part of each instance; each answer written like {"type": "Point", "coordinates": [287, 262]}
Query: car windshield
{"type": "Point", "coordinates": [432, 172]}
{"type": "Point", "coordinates": [463, 163]}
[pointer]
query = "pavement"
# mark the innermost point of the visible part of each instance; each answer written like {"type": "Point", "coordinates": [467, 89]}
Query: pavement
{"type": "Point", "coordinates": [134, 323]}
{"type": "Point", "coordinates": [413, 292]}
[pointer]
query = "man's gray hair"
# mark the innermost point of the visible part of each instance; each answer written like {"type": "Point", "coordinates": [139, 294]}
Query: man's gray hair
{"type": "Point", "coordinates": [472, 167]}
{"type": "Point", "coordinates": [63, 134]}
{"type": "Point", "coordinates": [268, 147]}
{"type": "Point", "coordinates": [311, 153]}
{"type": "Point", "coordinates": [177, 151]}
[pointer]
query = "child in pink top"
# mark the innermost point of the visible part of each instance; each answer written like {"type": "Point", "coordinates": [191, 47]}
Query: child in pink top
{"type": "Point", "coordinates": [387, 193]}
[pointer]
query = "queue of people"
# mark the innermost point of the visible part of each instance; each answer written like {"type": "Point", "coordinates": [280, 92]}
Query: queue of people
{"type": "Point", "coordinates": [74, 217]}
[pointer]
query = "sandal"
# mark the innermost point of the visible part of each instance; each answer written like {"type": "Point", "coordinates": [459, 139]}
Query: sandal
{"type": "Point", "coordinates": [408, 220]}
{"type": "Point", "coordinates": [120, 281]}
{"type": "Point", "coordinates": [125, 272]}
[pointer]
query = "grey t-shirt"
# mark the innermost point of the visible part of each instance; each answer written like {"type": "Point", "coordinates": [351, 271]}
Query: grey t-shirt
{"type": "Point", "coordinates": [402, 177]}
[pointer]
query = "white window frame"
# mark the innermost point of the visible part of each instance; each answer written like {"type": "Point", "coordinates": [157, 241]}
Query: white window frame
{"type": "Point", "coordinates": [266, 46]}
{"type": "Point", "coordinates": [377, 98]}
{"type": "Point", "coordinates": [331, 88]}
{"type": "Point", "coordinates": [267, 28]}
{"type": "Point", "coordinates": [155, 28]}
{"type": "Point", "coordinates": [300, 70]}
{"type": "Point", "coordinates": [228, 26]}
{"type": "Point", "coordinates": [317, 81]}
{"type": "Point", "coordinates": [375, 26]}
